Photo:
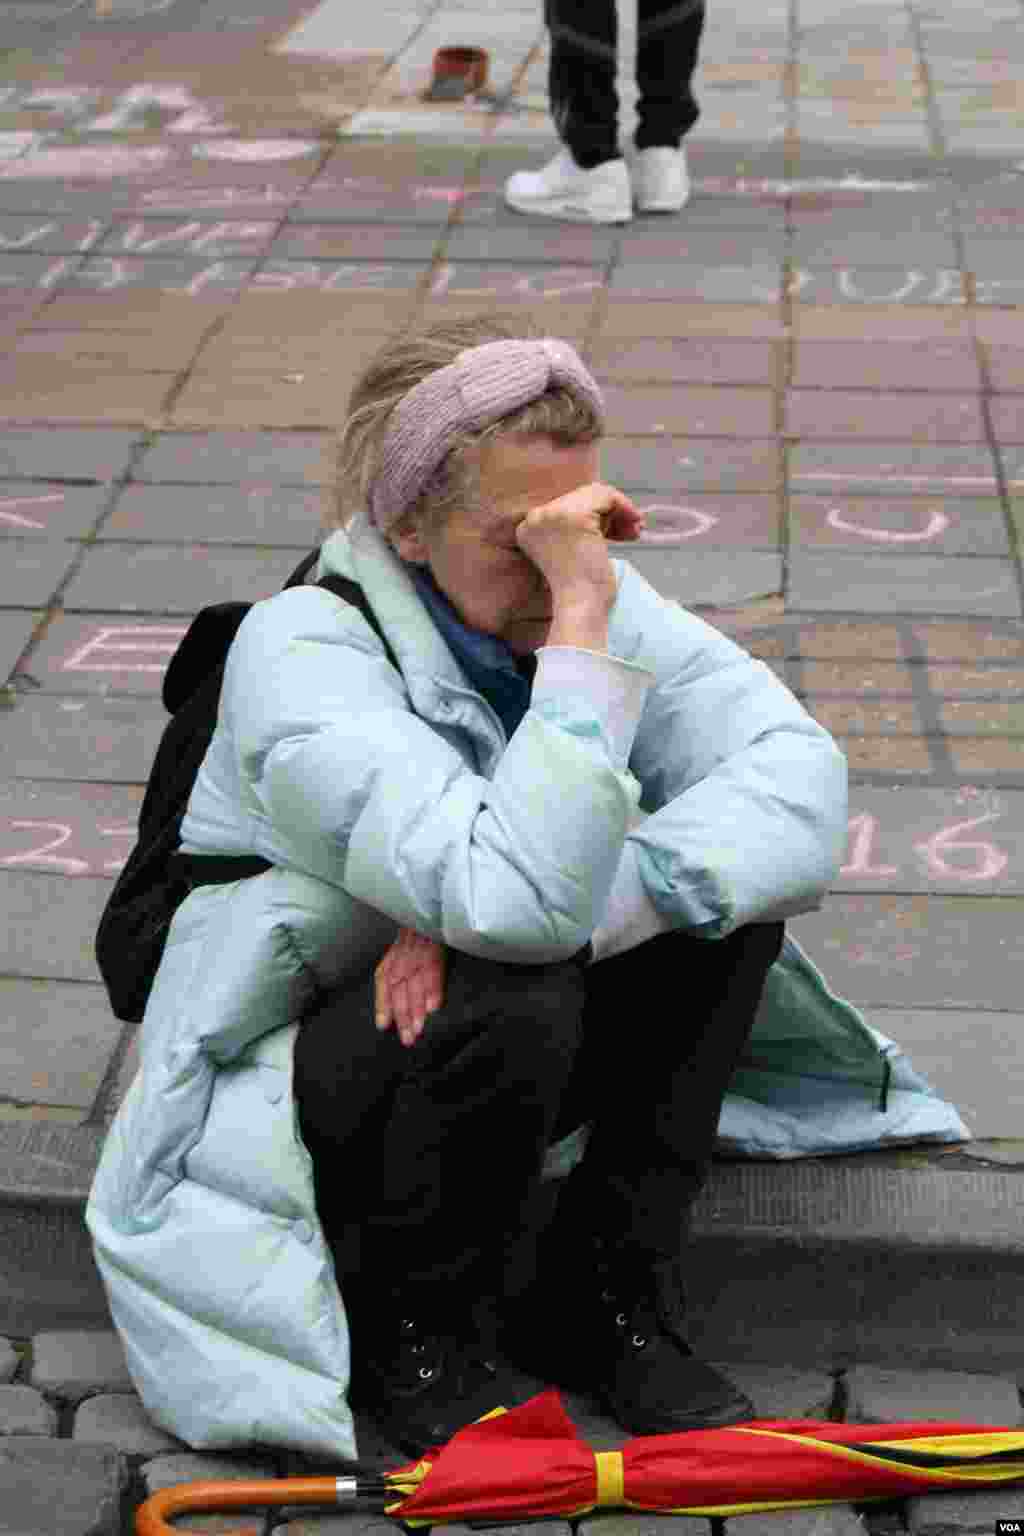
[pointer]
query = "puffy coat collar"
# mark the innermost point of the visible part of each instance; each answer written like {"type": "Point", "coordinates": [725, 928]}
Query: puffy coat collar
{"type": "Point", "coordinates": [438, 688]}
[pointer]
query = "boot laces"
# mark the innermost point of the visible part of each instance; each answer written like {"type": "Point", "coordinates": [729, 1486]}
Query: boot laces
{"type": "Point", "coordinates": [629, 1298]}
{"type": "Point", "coordinates": [461, 1348]}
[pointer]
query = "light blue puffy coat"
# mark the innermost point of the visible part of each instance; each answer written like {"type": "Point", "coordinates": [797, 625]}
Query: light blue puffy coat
{"type": "Point", "coordinates": [387, 799]}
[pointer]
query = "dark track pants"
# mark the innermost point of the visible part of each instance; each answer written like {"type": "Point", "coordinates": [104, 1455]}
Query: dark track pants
{"type": "Point", "coordinates": [581, 77]}
{"type": "Point", "coordinates": [426, 1157]}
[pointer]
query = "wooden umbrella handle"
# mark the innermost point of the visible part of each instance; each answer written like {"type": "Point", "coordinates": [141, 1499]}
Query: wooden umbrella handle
{"type": "Point", "coordinates": [191, 1498]}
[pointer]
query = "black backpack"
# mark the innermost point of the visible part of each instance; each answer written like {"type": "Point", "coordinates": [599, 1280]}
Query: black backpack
{"type": "Point", "coordinates": [157, 878]}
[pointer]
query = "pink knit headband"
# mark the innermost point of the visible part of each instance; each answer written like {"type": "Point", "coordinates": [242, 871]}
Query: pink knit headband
{"type": "Point", "coordinates": [483, 384]}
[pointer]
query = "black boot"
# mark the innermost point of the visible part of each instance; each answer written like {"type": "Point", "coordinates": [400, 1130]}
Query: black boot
{"type": "Point", "coordinates": [424, 1367]}
{"type": "Point", "coordinates": [642, 1365]}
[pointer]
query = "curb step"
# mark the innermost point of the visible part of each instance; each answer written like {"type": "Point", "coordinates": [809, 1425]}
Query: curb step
{"type": "Point", "coordinates": [848, 1260]}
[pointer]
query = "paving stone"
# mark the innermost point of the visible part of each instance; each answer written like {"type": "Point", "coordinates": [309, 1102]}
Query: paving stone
{"type": "Point", "coordinates": [1013, 467]}
{"type": "Point", "coordinates": [907, 951]}
{"type": "Point", "coordinates": [781, 1392]}
{"type": "Point", "coordinates": [236, 458]}
{"type": "Point", "coordinates": [150, 579]}
{"type": "Point", "coordinates": [814, 247]}
{"type": "Point", "coordinates": [760, 284]}
{"type": "Point", "coordinates": [22, 232]}
{"type": "Point", "coordinates": [900, 524]}
{"type": "Point", "coordinates": [64, 453]}
{"type": "Point", "coordinates": [833, 1520]}
{"type": "Point", "coordinates": [236, 349]}
{"type": "Point", "coordinates": [633, 409]}
{"type": "Point", "coordinates": [168, 1471]}
{"type": "Point", "coordinates": [266, 515]}
{"type": "Point", "coordinates": [23, 1411]}
{"type": "Point", "coordinates": [818, 318]}
{"type": "Point", "coordinates": [1007, 416]}
{"type": "Point", "coordinates": [152, 311]}
{"type": "Point", "coordinates": [56, 1488]}
{"type": "Point", "coordinates": [23, 273]}
{"type": "Point", "coordinates": [1006, 368]}
{"type": "Point", "coordinates": [856, 717]}
{"type": "Point", "coordinates": [988, 717]}
{"type": "Point", "coordinates": [981, 758]}
{"type": "Point", "coordinates": [894, 469]}
{"type": "Point", "coordinates": [681, 463]}
{"type": "Point", "coordinates": [681, 360]}
{"type": "Point", "coordinates": [9, 1361]}
{"type": "Point", "coordinates": [90, 740]}
{"type": "Point", "coordinates": [312, 1523]}
{"type": "Point", "coordinates": [838, 413]}
{"type": "Point", "coordinates": [634, 1523]}
{"type": "Point", "coordinates": [888, 1396]}
{"type": "Point", "coordinates": [748, 248]}
{"type": "Point", "coordinates": [933, 1039]}
{"type": "Point", "coordinates": [71, 1365]}
{"type": "Point", "coordinates": [355, 242]}
{"type": "Point", "coordinates": [39, 389]}
{"type": "Point", "coordinates": [163, 351]}
{"type": "Point", "coordinates": [705, 521]}
{"type": "Point", "coordinates": [629, 317]}
{"type": "Point", "coordinates": [46, 509]}
{"type": "Point", "coordinates": [302, 310]}
{"type": "Point", "coordinates": [901, 365]}
{"type": "Point", "coordinates": [55, 1041]}
{"type": "Point", "coordinates": [119, 1420]}
{"type": "Point", "coordinates": [903, 286]}
{"type": "Point", "coordinates": [15, 633]}
{"type": "Point", "coordinates": [206, 240]}
{"type": "Point", "coordinates": [32, 570]}
{"type": "Point", "coordinates": [590, 246]}
{"type": "Point", "coordinates": [569, 316]}
{"type": "Point", "coordinates": [707, 577]}
{"type": "Point", "coordinates": [888, 583]}
{"type": "Point", "coordinates": [103, 653]}
{"type": "Point", "coordinates": [273, 400]}
{"type": "Point", "coordinates": [973, 1513]}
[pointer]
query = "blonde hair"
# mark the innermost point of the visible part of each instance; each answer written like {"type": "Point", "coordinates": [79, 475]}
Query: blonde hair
{"type": "Point", "coordinates": [559, 414]}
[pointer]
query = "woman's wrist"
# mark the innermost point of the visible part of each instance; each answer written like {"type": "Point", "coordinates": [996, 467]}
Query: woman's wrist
{"type": "Point", "coordinates": [581, 622]}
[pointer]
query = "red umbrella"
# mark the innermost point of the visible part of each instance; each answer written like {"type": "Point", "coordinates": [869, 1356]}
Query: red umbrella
{"type": "Point", "coordinates": [530, 1462]}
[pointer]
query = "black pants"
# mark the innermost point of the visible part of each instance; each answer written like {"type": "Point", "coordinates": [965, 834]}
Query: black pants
{"type": "Point", "coordinates": [425, 1158]}
{"type": "Point", "coordinates": [581, 78]}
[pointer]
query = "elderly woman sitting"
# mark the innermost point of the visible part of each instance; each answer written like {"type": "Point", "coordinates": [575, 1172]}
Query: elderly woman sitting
{"type": "Point", "coordinates": [531, 879]}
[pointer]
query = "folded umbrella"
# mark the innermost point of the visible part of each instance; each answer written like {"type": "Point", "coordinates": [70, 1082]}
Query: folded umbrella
{"type": "Point", "coordinates": [530, 1462]}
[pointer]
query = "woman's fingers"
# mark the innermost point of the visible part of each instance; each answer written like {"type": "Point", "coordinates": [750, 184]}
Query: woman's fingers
{"type": "Point", "coordinates": [408, 985]}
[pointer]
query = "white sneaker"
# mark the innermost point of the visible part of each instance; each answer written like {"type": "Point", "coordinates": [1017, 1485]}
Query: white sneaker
{"type": "Point", "coordinates": [564, 190]}
{"type": "Point", "coordinates": [661, 181]}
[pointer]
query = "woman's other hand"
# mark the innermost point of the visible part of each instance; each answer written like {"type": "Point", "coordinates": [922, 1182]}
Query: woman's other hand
{"type": "Point", "coordinates": [410, 984]}
{"type": "Point", "coordinates": [566, 540]}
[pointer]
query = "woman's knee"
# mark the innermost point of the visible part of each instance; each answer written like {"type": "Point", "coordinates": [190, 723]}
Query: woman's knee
{"type": "Point", "coordinates": [534, 1008]}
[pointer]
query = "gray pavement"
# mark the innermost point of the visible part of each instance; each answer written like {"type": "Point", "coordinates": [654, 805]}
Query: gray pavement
{"type": "Point", "coordinates": [210, 214]}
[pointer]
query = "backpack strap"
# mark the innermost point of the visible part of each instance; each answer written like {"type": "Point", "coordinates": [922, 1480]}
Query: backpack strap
{"type": "Point", "coordinates": [349, 591]}
{"type": "Point", "coordinates": [352, 592]}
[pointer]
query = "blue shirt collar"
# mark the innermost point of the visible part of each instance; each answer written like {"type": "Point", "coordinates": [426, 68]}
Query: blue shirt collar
{"type": "Point", "coordinates": [491, 665]}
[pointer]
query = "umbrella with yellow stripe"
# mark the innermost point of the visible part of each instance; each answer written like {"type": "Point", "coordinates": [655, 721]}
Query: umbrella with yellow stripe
{"type": "Point", "coordinates": [530, 1462]}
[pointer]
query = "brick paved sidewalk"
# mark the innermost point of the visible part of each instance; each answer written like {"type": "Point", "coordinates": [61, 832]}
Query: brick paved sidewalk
{"type": "Point", "coordinates": [816, 384]}
{"type": "Point", "coordinates": [815, 377]}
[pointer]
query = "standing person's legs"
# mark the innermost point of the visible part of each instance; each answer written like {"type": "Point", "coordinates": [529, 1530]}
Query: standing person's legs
{"type": "Point", "coordinates": [668, 42]}
{"type": "Point", "coordinates": [426, 1154]}
{"type": "Point", "coordinates": [581, 77]}
{"type": "Point", "coordinates": [587, 180]}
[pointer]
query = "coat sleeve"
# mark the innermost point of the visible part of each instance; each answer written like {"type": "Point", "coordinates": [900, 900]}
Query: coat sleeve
{"type": "Point", "coordinates": [361, 791]}
{"type": "Point", "coordinates": [747, 794]}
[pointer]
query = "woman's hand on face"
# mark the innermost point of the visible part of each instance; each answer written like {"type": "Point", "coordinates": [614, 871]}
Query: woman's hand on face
{"type": "Point", "coordinates": [566, 539]}
{"type": "Point", "coordinates": [410, 984]}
